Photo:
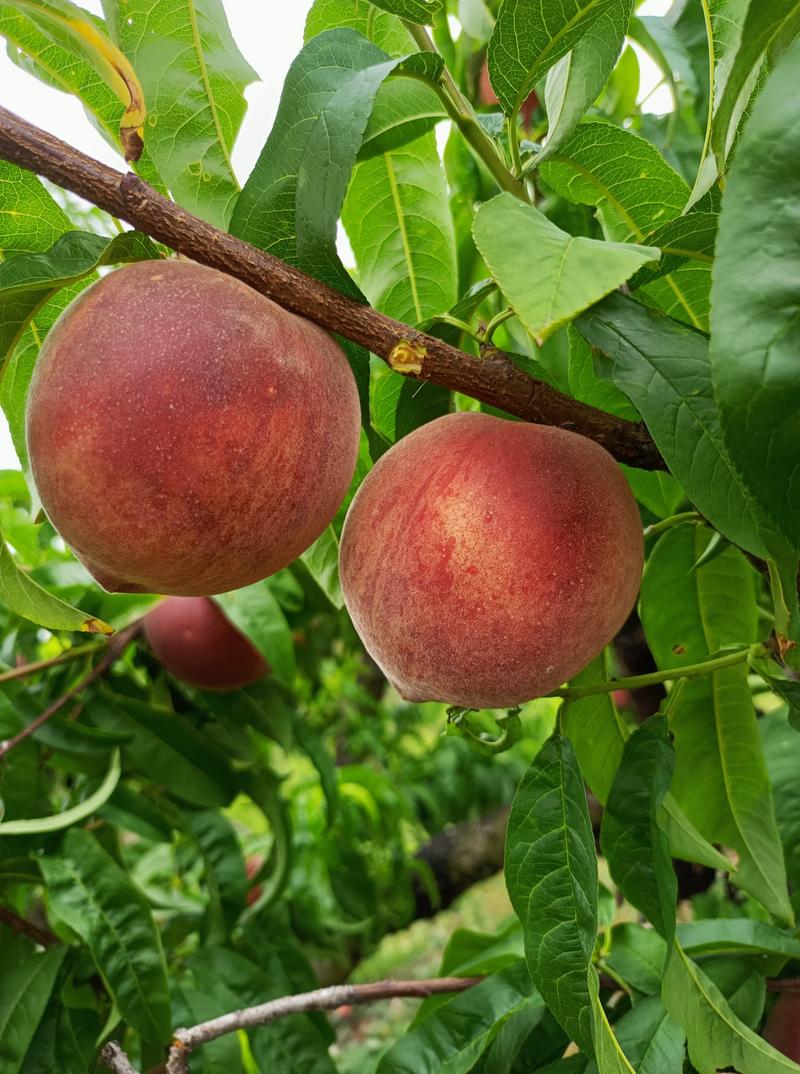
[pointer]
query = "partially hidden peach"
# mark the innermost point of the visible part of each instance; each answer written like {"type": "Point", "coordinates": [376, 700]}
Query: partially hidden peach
{"type": "Point", "coordinates": [485, 561]}
{"type": "Point", "coordinates": [782, 1028]}
{"type": "Point", "coordinates": [194, 639]}
{"type": "Point", "coordinates": [187, 435]}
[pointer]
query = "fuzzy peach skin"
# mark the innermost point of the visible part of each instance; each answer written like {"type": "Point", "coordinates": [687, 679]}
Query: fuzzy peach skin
{"type": "Point", "coordinates": [187, 435]}
{"type": "Point", "coordinates": [194, 639]}
{"type": "Point", "coordinates": [782, 1028]}
{"type": "Point", "coordinates": [484, 561]}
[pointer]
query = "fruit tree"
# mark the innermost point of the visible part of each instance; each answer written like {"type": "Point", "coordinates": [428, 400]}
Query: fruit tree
{"type": "Point", "coordinates": [444, 576]}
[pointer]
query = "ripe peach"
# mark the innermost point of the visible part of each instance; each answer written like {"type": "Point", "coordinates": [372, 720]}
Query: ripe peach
{"type": "Point", "coordinates": [186, 434]}
{"type": "Point", "coordinates": [194, 639]}
{"type": "Point", "coordinates": [782, 1028]}
{"type": "Point", "coordinates": [484, 561]}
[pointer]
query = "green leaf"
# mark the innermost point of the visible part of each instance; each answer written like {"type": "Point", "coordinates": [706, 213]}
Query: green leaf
{"type": "Point", "coordinates": [636, 956]}
{"type": "Point", "coordinates": [736, 935]}
{"type": "Point", "coordinates": [24, 994]}
{"type": "Point", "coordinates": [636, 848]}
{"type": "Point", "coordinates": [664, 370]}
{"type": "Point", "coordinates": [651, 1039]}
{"type": "Point", "coordinates": [717, 1038]}
{"type": "Point", "coordinates": [598, 735]}
{"type": "Point", "coordinates": [225, 869]}
{"type": "Point", "coordinates": [194, 78]}
{"type": "Point", "coordinates": [782, 755]}
{"type": "Point", "coordinates": [67, 817]}
{"type": "Point", "coordinates": [321, 561]}
{"type": "Point", "coordinates": [547, 275]}
{"type": "Point", "coordinates": [27, 598]}
{"type": "Point", "coordinates": [99, 901]}
{"type": "Point", "coordinates": [404, 110]}
{"type": "Point", "coordinates": [220, 1056]}
{"type": "Point", "coordinates": [636, 193]}
{"type": "Point", "coordinates": [30, 219]}
{"type": "Point", "coordinates": [398, 220]}
{"type": "Point", "coordinates": [720, 776]}
{"type": "Point", "coordinates": [256, 612]}
{"type": "Point", "coordinates": [575, 82]}
{"type": "Point", "coordinates": [414, 10]}
{"type": "Point", "coordinates": [765, 21]}
{"type": "Point", "coordinates": [782, 682]}
{"type": "Point", "coordinates": [530, 36]}
{"type": "Point", "coordinates": [165, 748]}
{"type": "Point", "coordinates": [55, 64]}
{"type": "Point", "coordinates": [28, 281]}
{"type": "Point", "coordinates": [551, 875]}
{"type": "Point", "coordinates": [754, 313]}
{"type": "Point", "coordinates": [457, 1033]}
{"type": "Point", "coordinates": [57, 1045]}
{"type": "Point", "coordinates": [85, 37]}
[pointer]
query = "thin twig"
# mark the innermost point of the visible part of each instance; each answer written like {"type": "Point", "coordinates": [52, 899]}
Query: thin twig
{"type": "Point", "coordinates": [114, 649]}
{"type": "Point", "coordinates": [23, 670]}
{"type": "Point", "coordinates": [492, 378]}
{"type": "Point", "coordinates": [26, 928]}
{"type": "Point", "coordinates": [116, 1060]}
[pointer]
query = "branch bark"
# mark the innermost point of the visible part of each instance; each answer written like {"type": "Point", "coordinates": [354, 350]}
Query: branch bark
{"type": "Point", "coordinates": [114, 649]}
{"type": "Point", "coordinates": [493, 378]}
{"type": "Point", "coordinates": [27, 928]}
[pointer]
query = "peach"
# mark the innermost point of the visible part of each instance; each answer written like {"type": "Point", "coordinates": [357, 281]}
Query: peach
{"type": "Point", "coordinates": [194, 639]}
{"type": "Point", "coordinates": [485, 561]}
{"type": "Point", "coordinates": [782, 1027]}
{"type": "Point", "coordinates": [187, 435]}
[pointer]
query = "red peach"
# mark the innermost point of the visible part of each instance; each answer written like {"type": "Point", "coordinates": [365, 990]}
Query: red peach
{"type": "Point", "coordinates": [485, 561]}
{"type": "Point", "coordinates": [194, 639]}
{"type": "Point", "coordinates": [186, 434]}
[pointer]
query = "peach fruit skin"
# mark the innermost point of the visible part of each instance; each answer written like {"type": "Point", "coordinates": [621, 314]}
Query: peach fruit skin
{"type": "Point", "coordinates": [186, 434]}
{"type": "Point", "coordinates": [194, 639]}
{"type": "Point", "coordinates": [484, 561]}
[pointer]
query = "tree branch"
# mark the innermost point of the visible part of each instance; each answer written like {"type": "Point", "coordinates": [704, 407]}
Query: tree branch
{"type": "Point", "coordinates": [116, 1060]}
{"type": "Point", "coordinates": [114, 649]}
{"type": "Point", "coordinates": [493, 378]}
{"type": "Point", "coordinates": [27, 928]}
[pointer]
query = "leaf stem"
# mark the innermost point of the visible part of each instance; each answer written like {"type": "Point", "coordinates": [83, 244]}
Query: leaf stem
{"type": "Point", "coordinates": [633, 682]}
{"type": "Point", "coordinates": [462, 114]}
{"type": "Point", "coordinates": [24, 670]}
{"type": "Point", "coordinates": [711, 69]}
{"type": "Point", "coordinates": [456, 322]}
{"type": "Point", "coordinates": [673, 520]}
{"type": "Point", "coordinates": [513, 145]}
{"type": "Point", "coordinates": [496, 321]}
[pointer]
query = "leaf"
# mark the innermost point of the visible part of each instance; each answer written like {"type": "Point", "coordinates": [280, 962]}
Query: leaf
{"type": "Point", "coordinates": [782, 755]}
{"type": "Point", "coordinates": [56, 1045]}
{"type": "Point", "coordinates": [194, 78]}
{"type": "Point", "coordinates": [257, 614]}
{"type": "Point", "coordinates": [665, 371]}
{"type": "Point", "coordinates": [720, 775]}
{"type": "Point", "coordinates": [530, 36]}
{"type": "Point", "coordinates": [457, 1033]}
{"type": "Point", "coordinates": [736, 935]}
{"type": "Point", "coordinates": [398, 220]}
{"type": "Point", "coordinates": [220, 1056]}
{"type": "Point", "coordinates": [225, 869]}
{"type": "Point", "coordinates": [24, 994]}
{"type": "Point", "coordinates": [636, 956]}
{"type": "Point", "coordinates": [321, 561]}
{"type": "Point", "coordinates": [99, 901]}
{"type": "Point", "coordinates": [717, 1038]}
{"type": "Point", "coordinates": [165, 748]}
{"type": "Point", "coordinates": [576, 81]}
{"type": "Point", "coordinates": [414, 10]}
{"type": "Point", "coordinates": [651, 1039]}
{"type": "Point", "coordinates": [547, 275]}
{"type": "Point", "coordinates": [636, 848]}
{"type": "Point", "coordinates": [403, 111]}
{"type": "Point", "coordinates": [783, 683]}
{"type": "Point", "coordinates": [67, 817]}
{"type": "Point", "coordinates": [764, 22]}
{"type": "Point", "coordinates": [551, 875]}
{"type": "Point", "coordinates": [28, 281]}
{"type": "Point", "coordinates": [598, 735]}
{"type": "Point", "coordinates": [72, 28]}
{"type": "Point", "coordinates": [755, 313]}
{"type": "Point", "coordinates": [27, 598]}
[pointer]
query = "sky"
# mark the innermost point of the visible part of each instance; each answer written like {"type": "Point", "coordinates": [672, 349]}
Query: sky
{"type": "Point", "coordinates": [269, 34]}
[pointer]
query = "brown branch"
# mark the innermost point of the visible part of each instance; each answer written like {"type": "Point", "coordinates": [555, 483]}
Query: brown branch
{"type": "Point", "coordinates": [321, 999]}
{"type": "Point", "coordinates": [784, 984]}
{"type": "Point", "coordinates": [23, 670]}
{"type": "Point", "coordinates": [114, 649]}
{"type": "Point", "coordinates": [27, 928]}
{"type": "Point", "coordinates": [493, 378]}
